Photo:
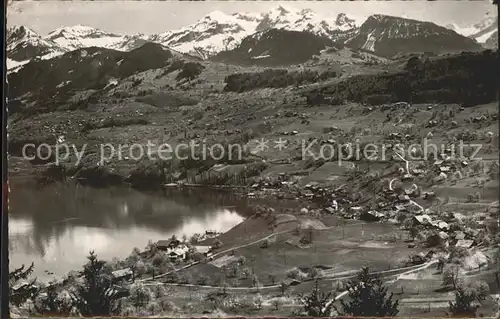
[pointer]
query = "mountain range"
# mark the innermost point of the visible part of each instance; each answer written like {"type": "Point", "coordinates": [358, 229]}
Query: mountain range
{"type": "Point", "coordinates": [219, 32]}
{"type": "Point", "coordinates": [484, 31]}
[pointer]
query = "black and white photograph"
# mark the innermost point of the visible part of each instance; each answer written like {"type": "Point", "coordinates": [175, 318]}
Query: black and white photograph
{"type": "Point", "coordinates": [253, 159]}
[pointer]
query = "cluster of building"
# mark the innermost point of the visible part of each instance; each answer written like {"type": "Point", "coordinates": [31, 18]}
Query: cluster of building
{"type": "Point", "coordinates": [175, 251]}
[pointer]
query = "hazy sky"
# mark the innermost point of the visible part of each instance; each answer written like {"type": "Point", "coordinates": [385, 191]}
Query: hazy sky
{"type": "Point", "coordinates": [159, 16]}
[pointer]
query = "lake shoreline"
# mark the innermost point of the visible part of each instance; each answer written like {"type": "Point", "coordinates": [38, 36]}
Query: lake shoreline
{"type": "Point", "coordinates": [136, 218]}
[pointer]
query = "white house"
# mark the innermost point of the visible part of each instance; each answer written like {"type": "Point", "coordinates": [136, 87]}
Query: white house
{"type": "Point", "coordinates": [178, 252]}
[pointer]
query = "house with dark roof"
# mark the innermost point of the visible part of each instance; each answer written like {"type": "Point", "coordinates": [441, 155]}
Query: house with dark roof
{"type": "Point", "coordinates": [168, 244]}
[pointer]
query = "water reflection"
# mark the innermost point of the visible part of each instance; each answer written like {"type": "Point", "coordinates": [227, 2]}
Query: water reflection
{"type": "Point", "coordinates": [57, 225]}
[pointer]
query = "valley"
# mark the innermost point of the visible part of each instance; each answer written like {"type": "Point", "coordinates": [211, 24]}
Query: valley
{"type": "Point", "coordinates": [364, 148]}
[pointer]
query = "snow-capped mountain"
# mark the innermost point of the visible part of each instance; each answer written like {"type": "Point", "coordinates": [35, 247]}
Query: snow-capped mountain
{"type": "Point", "coordinates": [305, 20]}
{"type": "Point", "coordinates": [388, 35]}
{"type": "Point", "coordinates": [213, 33]}
{"type": "Point", "coordinates": [484, 31]}
{"type": "Point", "coordinates": [275, 47]}
{"type": "Point", "coordinates": [80, 36]}
{"type": "Point", "coordinates": [218, 31]}
{"type": "Point", "coordinates": [24, 44]}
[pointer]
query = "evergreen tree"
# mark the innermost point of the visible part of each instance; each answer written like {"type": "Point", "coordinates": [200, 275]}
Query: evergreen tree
{"type": "Point", "coordinates": [20, 289]}
{"type": "Point", "coordinates": [368, 297]}
{"type": "Point", "coordinates": [96, 296]}
{"type": "Point", "coordinates": [317, 303]}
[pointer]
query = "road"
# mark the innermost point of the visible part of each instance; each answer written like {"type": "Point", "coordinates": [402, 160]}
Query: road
{"type": "Point", "coordinates": [229, 250]}
{"type": "Point", "coordinates": [339, 276]}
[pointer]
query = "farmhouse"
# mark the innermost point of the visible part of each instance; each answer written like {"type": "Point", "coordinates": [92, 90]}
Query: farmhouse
{"type": "Point", "coordinates": [122, 274]}
{"type": "Point", "coordinates": [168, 244]}
{"type": "Point", "coordinates": [178, 253]}
{"type": "Point", "coordinates": [422, 219]}
{"type": "Point", "coordinates": [464, 243]}
{"type": "Point", "coordinates": [174, 249]}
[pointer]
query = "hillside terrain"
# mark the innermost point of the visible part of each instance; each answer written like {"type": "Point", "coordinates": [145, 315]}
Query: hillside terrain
{"type": "Point", "coordinates": [286, 105]}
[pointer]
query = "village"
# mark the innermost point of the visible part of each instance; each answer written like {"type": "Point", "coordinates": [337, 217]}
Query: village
{"type": "Point", "coordinates": [297, 220]}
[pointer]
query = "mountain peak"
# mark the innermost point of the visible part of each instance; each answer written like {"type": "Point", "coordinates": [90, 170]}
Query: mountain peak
{"type": "Point", "coordinates": [283, 9]}
{"type": "Point", "coordinates": [344, 20]}
{"type": "Point", "coordinates": [78, 30]}
{"type": "Point", "coordinates": [217, 16]}
{"type": "Point", "coordinates": [387, 35]}
{"type": "Point", "coordinates": [280, 11]}
{"type": "Point", "coordinates": [18, 31]}
{"type": "Point", "coordinates": [24, 44]}
{"type": "Point", "coordinates": [248, 16]}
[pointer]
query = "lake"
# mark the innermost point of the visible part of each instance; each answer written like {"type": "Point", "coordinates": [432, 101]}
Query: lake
{"type": "Point", "coordinates": [56, 226]}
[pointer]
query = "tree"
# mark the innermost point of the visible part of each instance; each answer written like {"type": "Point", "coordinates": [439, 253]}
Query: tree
{"type": "Point", "coordinates": [53, 304]}
{"type": "Point", "coordinates": [283, 287]}
{"type": "Point", "coordinates": [414, 231]}
{"type": "Point", "coordinates": [217, 244]}
{"type": "Point", "coordinates": [20, 290]}
{"type": "Point", "coordinates": [140, 296]}
{"type": "Point", "coordinates": [95, 296]}
{"type": "Point", "coordinates": [414, 64]}
{"type": "Point", "coordinates": [133, 258]}
{"type": "Point", "coordinates": [368, 297]}
{"type": "Point", "coordinates": [257, 302]}
{"type": "Point", "coordinates": [450, 276]}
{"type": "Point", "coordinates": [317, 303]}
{"type": "Point", "coordinates": [316, 273]}
{"type": "Point", "coordinates": [255, 281]}
{"type": "Point", "coordinates": [440, 265]}
{"type": "Point", "coordinates": [496, 262]}
{"type": "Point", "coordinates": [246, 272]}
{"type": "Point", "coordinates": [464, 304]}
{"type": "Point", "coordinates": [457, 254]}
{"type": "Point", "coordinates": [277, 303]}
{"type": "Point", "coordinates": [265, 244]}
{"type": "Point", "coordinates": [481, 289]}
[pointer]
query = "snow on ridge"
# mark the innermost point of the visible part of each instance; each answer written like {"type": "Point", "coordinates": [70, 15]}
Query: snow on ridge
{"type": "Point", "coordinates": [370, 42]}
{"type": "Point", "coordinates": [217, 31]}
{"type": "Point", "coordinates": [465, 31]}
{"type": "Point", "coordinates": [14, 66]}
{"type": "Point", "coordinates": [486, 36]}
{"type": "Point", "coordinates": [489, 21]}
{"type": "Point", "coordinates": [78, 36]}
